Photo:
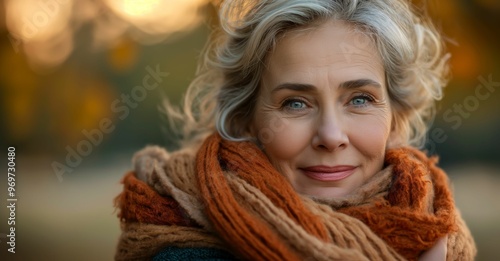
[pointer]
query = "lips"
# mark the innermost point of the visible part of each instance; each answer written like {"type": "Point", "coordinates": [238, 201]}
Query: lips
{"type": "Point", "coordinates": [328, 173]}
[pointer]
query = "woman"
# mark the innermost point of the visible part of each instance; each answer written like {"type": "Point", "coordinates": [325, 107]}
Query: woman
{"type": "Point", "coordinates": [298, 130]}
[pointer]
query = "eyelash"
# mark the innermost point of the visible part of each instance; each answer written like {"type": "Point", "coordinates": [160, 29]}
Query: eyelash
{"type": "Point", "coordinates": [364, 96]}
{"type": "Point", "coordinates": [286, 103]}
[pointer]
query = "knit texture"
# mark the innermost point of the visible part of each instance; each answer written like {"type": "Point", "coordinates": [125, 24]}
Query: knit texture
{"type": "Point", "coordinates": [228, 196]}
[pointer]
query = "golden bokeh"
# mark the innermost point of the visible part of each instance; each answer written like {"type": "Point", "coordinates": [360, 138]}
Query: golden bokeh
{"type": "Point", "coordinates": [64, 63]}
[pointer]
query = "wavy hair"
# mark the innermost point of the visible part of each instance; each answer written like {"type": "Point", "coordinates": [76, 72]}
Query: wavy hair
{"type": "Point", "coordinates": [222, 97]}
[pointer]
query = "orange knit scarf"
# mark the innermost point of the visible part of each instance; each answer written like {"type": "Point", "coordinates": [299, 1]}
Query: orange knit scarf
{"type": "Point", "coordinates": [413, 214]}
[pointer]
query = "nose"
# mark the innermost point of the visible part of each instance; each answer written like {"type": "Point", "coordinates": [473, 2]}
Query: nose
{"type": "Point", "coordinates": [330, 134]}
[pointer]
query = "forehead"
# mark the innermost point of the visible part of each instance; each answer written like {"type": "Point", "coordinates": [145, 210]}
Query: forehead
{"type": "Point", "coordinates": [337, 48]}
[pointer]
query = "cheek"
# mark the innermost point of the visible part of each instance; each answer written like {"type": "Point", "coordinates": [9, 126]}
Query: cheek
{"type": "Point", "coordinates": [371, 137]}
{"type": "Point", "coordinates": [283, 138]}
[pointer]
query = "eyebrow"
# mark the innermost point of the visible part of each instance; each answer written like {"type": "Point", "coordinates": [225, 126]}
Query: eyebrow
{"type": "Point", "coordinates": [353, 84]}
{"type": "Point", "coordinates": [359, 83]}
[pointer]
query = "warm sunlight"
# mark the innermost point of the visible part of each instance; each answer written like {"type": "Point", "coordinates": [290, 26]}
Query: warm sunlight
{"type": "Point", "coordinates": [45, 30]}
{"type": "Point", "coordinates": [139, 7]}
{"type": "Point", "coordinates": [159, 16]}
{"type": "Point", "coordinates": [32, 20]}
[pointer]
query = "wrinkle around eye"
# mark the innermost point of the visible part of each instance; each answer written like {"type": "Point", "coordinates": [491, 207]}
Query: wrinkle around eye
{"type": "Point", "coordinates": [371, 106]}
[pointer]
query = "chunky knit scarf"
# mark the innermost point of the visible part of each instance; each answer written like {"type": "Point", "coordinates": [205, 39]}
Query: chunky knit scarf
{"type": "Point", "coordinates": [229, 196]}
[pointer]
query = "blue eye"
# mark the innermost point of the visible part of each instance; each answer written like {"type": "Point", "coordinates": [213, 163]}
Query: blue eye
{"type": "Point", "coordinates": [361, 100]}
{"type": "Point", "coordinates": [294, 104]}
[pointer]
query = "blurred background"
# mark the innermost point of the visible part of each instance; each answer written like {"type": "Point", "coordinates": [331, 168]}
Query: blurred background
{"type": "Point", "coordinates": [80, 87]}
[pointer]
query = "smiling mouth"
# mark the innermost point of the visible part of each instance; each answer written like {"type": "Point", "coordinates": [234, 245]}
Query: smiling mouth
{"type": "Point", "coordinates": [326, 173]}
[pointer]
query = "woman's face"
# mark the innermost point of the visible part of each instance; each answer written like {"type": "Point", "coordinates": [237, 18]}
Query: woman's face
{"type": "Point", "coordinates": [323, 113]}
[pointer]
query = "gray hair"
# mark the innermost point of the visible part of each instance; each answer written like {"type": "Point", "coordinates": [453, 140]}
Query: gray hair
{"type": "Point", "coordinates": [223, 95]}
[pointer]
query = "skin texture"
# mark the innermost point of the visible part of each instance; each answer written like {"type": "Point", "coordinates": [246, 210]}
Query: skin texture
{"type": "Point", "coordinates": [323, 101]}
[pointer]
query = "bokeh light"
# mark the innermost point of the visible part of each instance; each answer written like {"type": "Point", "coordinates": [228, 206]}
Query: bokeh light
{"type": "Point", "coordinates": [64, 64]}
